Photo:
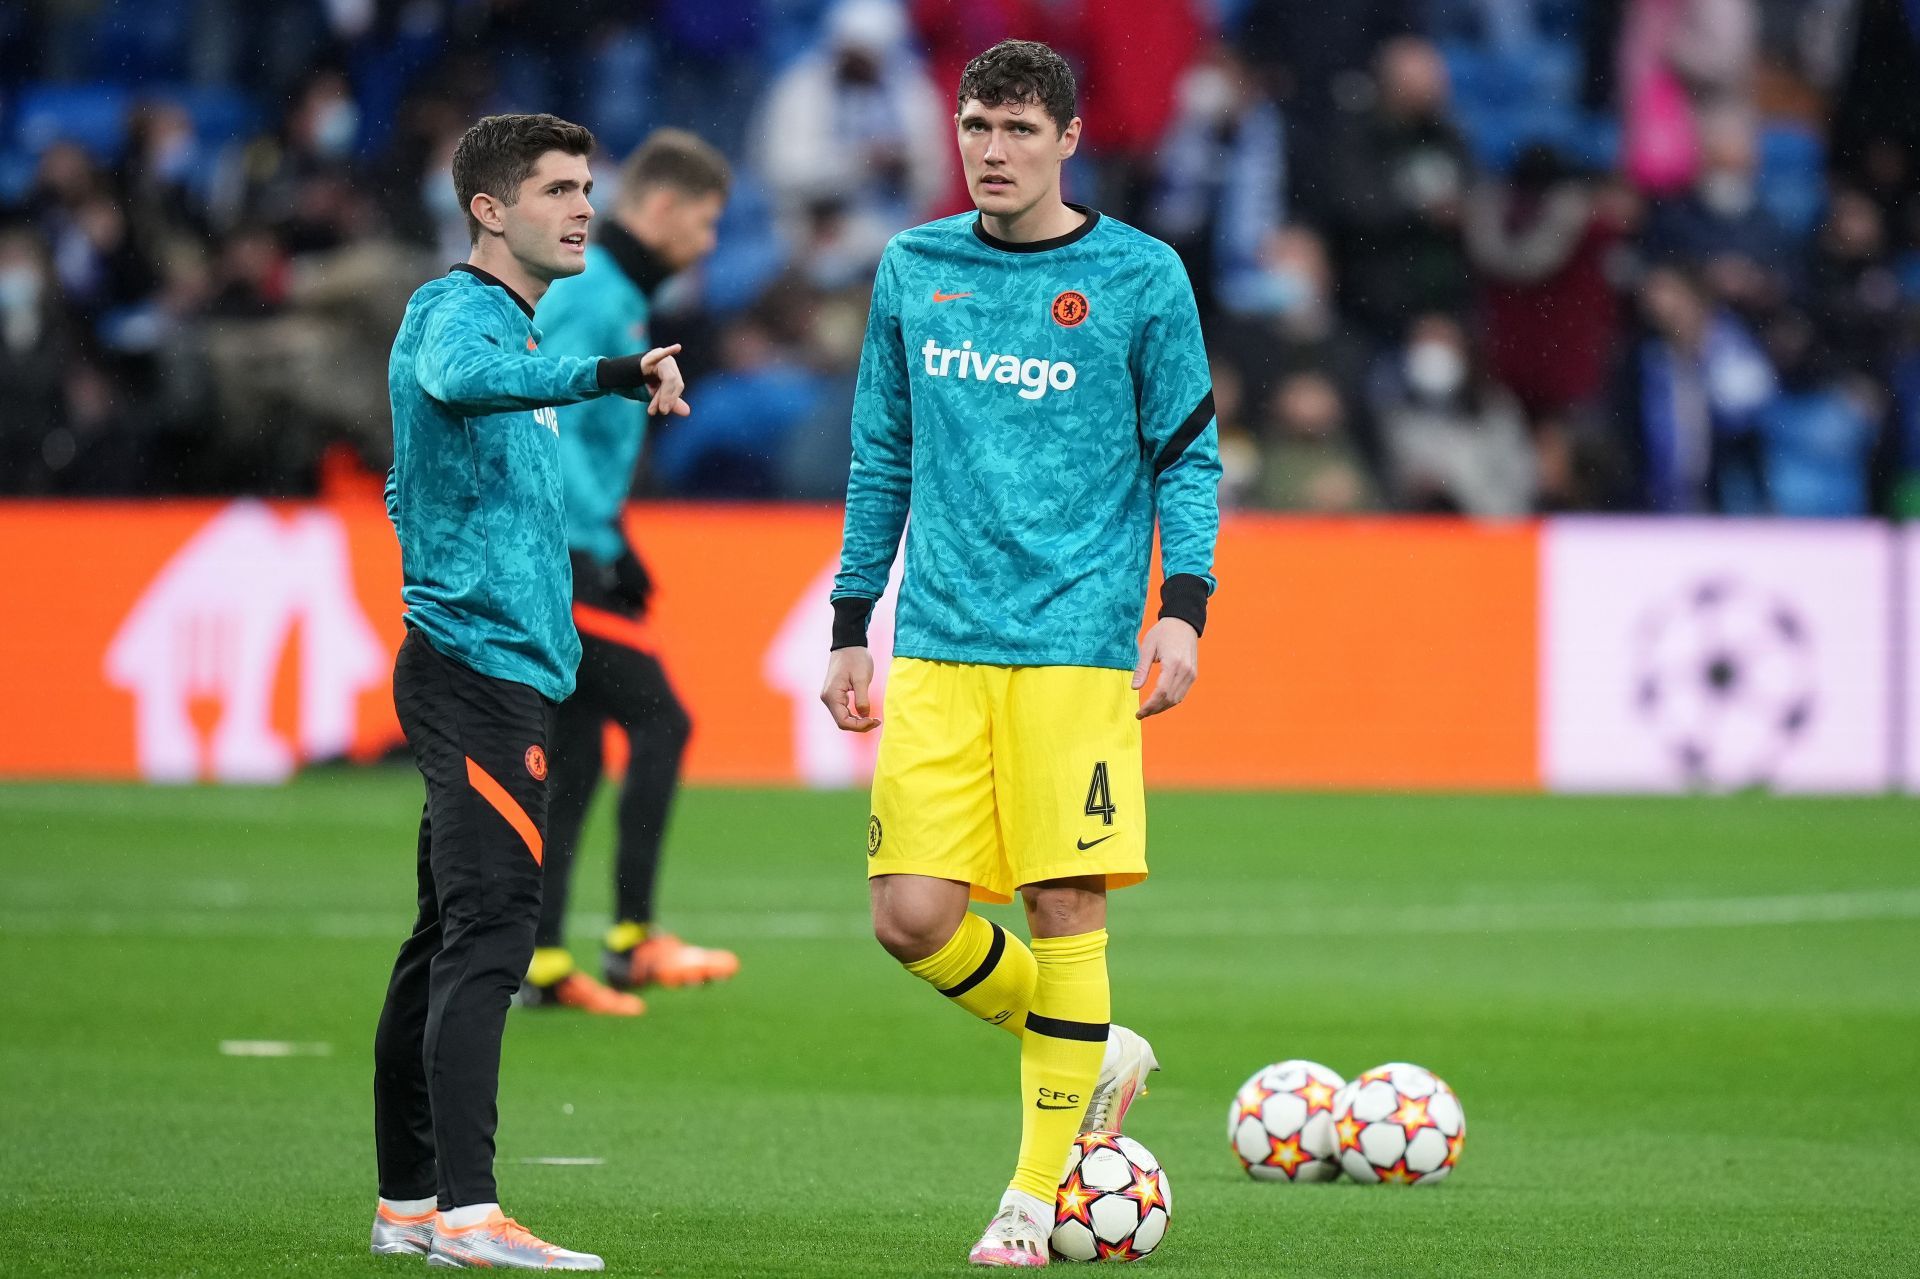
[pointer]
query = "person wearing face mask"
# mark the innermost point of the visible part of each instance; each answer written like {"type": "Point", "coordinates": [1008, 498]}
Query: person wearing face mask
{"type": "Point", "coordinates": [1279, 321]}
{"type": "Point", "coordinates": [855, 124]}
{"type": "Point", "coordinates": [1456, 442]}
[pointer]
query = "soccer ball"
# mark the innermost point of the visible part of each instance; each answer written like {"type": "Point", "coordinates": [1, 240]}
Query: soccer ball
{"type": "Point", "coordinates": [1399, 1124]}
{"type": "Point", "coordinates": [1113, 1202]}
{"type": "Point", "coordinates": [1281, 1123]}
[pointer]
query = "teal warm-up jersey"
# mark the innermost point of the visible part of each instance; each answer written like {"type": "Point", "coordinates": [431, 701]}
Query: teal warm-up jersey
{"type": "Point", "coordinates": [475, 492]}
{"type": "Point", "coordinates": [601, 311]}
{"type": "Point", "coordinates": [1036, 406]}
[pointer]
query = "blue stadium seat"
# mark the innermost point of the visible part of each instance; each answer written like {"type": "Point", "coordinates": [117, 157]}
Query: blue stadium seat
{"type": "Point", "coordinates": [95, 116]}
{"type": "Point", "coordinates": [1793, 184]}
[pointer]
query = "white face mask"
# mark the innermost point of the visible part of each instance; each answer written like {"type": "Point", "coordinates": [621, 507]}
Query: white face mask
{"type": "Point", "coordinates": [1731, 195]}
{"type": "Point", "coordinates": [337, 127]}
{"type": "Point", "coordinates": [1435, 370]}
{"type": "Point", "coordinates": [19, 288]}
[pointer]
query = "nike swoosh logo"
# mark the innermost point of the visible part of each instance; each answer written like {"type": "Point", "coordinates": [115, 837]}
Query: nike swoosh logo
{"type": "Point", "coordinates": [1041, 1105]}
{"type": "Point", "coordinates": [938, 296]}
{"type": "Point", "coordinates": [1083, 845]}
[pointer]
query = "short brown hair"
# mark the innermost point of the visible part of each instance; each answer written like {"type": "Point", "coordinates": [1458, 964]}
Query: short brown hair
{"type": "Point", "coordinates": [1015, 72]}
{"type": "Point", "coordinates": [678, 160]}
{"type": "Point", "coordinates": [501, 151]}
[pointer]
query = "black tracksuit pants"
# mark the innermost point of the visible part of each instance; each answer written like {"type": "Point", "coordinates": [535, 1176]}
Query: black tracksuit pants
{"type": "Point", "coordinates": [481, 744]}
{"type": "Point", "coordinates": [622, 682]}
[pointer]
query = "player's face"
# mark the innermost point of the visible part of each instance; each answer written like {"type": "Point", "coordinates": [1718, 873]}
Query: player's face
{"type": "Point", "coordinates": [689, 226]}
{"type": "Point", "coordinates": [546, 228]}
{"type": "Point", "coordinates": [1012, 155]}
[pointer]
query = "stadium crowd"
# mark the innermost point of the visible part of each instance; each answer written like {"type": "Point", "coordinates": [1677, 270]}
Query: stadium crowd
{"type": "Point", "coordinates": [1481, 256]}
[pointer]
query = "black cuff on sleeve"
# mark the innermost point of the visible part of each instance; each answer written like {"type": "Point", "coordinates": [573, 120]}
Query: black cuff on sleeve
{"type": "Point", "coordinates": [1184, 595]}
{"type": "Point", "coordinates": [619, 373]}
{"type": "Point", "coordinates": [850, 614]}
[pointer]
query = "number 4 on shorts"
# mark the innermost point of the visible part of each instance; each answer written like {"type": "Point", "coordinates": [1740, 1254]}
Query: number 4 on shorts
{"type": "Point", "coordinates": [1099, 797]}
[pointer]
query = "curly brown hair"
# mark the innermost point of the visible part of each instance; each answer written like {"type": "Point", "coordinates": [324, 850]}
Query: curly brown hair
{"type": "Point", "coordinates": [1020, 71]}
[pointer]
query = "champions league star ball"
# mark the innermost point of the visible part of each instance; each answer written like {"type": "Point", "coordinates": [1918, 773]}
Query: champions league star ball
{"type": "Point", "coordinates": [1725, 680]}
{"type": "Point", "coordinates": [1113, 1203]}
{"type": "Point", "coordinates": [1398, 1124]}
{"type": "Point", "coordinates": [1281, 1123]}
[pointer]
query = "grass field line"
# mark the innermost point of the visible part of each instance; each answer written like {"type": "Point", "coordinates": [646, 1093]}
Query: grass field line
{"type": "Point", "coordinates": [236, 919]}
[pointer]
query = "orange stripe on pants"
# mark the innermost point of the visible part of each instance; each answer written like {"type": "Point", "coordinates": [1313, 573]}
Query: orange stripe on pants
{"type": "Point", "coordinates": [612, 627]}
{"type": "Point", "coordinates": [508, 807]}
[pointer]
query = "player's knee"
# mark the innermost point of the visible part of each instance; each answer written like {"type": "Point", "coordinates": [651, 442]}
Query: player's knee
{"type": "Point", "coordinates": [676, 726]}
{"type": "Point", "coordinates": [911, 935]}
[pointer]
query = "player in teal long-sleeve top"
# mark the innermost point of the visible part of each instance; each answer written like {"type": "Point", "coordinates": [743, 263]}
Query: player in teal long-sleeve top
{"type": "Point", "coordinates": [475, 498]}
{"type": "Point", "coordinates": [1034, 391]}
{"type": "Point", "coordinates": [663, 221]}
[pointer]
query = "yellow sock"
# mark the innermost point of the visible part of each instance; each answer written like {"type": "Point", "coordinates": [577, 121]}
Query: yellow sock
{"type": "Point", "coordinates": [1060, 1054]}
{"type": "Point", "coordinates": [625, 935]}
{"type": "Point", "coordinates": [550, 964]}
{"type": "Point", "coordinates": [985, 971]}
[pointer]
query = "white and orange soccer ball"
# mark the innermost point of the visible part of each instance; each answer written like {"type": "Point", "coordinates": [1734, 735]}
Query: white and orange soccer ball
{"type": "Point", "coordinates": [1113, 1203]}
{"type": "Point", "coordinates": [1281, 1122]}
{"type": "Point", "coordinates": [1398, 1124]}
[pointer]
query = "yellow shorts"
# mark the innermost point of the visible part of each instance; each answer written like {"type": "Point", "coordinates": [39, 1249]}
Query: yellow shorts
{"type": "Point", "coordinates": [1001, 776]}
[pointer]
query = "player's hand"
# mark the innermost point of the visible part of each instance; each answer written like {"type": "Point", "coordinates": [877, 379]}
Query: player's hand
{"type": "Point", "coordinates": [849, 676]}
{"type": "Point", "coordinates": [664, 380]}
{"type": "Point", "coordinates": [1174, 646]}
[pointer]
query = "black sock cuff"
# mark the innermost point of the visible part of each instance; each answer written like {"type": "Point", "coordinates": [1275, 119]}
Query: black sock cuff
{"type": "Point", "coordinates": [995, 948]}
{"type": "Point", "coordinates": [1092, 1032]}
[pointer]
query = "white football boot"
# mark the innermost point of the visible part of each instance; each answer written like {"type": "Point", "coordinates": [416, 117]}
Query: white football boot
{"type": "Point", "coordinates": [1123, 1080]}
{"type": "Point", "coordinates": [1017, 1235]}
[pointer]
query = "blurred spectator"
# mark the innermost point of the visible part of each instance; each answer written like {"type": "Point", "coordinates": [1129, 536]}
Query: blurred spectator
{"type": "Point", "coordinates": [1541, 243]}
{"type": "Point", "coordinates": [1130, 56]}
{"type": "Point", "coordinates": [162, 165]}
{"type": "Point", "coordinates": [733, 446]}
{"type": "Point", "coordinates": [1313, 59]}
{"type": "Point", "coordinates": [1721, 224]}
{"type": "Point", "coordinates": [1456, 442]}
{"type": "Point", "coordinates": [853, 138]}
{"type": "Point", "coordinates": [1400, 176]}
{"type": "Point", "coordinates": [1282, 323]}
{"type": "Point", "coordinates": [1686, 68]}
{"type": "Point", "coordinates": [1689, 395]}
{"type": "Point", "coordinates": [1310, 460]}
{"type": "Point", "coordinates": [1221, 177]}
{"type": "Point", "coordinates": [1853, 294]}
{"type": "Point", "coordinates": [304, 182]}
{"type": "Point", "coordinates": [1876, 130]}
{"type": "Point", "coordinates": [36, 355]}
{"type": "Point", "coordinates": [1818, 433]}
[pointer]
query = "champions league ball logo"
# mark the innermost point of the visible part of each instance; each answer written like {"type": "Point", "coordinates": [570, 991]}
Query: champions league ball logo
{"type": "Point", "coordinates": [1725, 680]}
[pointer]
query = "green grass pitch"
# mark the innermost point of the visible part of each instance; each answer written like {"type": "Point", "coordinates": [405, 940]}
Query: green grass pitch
{"type": "Point", "coordinates": [1686, 1033]}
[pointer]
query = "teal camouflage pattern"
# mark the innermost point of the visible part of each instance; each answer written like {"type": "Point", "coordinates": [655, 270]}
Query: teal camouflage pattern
{"type": "Point", "coordinates": [1035, 407]}
{"type": "Point", "coordinates": [598, 312]}
{"type": "Point", "coordinates": [475, 492]}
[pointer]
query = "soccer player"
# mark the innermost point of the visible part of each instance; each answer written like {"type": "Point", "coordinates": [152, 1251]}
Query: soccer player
{"type": "Point", "coordinates": [490, 650]}
{"type": "Point", "coordinates": [671, 193]}
{"type": "Point", "coordinates": [1033, 386]}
